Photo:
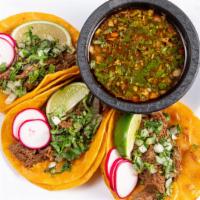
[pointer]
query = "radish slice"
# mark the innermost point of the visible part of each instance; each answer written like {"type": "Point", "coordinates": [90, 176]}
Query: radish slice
{"type": "Point", "coordinates": [34, 134]}
{"type": "Point", "coordinates": [112, 171]}
{"type": "Point", "coordinates": [125, 178]}
{"type": "Point", "coordinates": [7, 52]}
{"type": "Point", "coordinates": [27, 114]}
{"type": "Point", "coordinates": [9, 38]}
{"type": "Point", "coordinates": [110, 158]}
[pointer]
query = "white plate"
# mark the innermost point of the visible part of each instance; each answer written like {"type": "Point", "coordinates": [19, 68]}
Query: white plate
{"type": "Point", "coordinates": [12, 185]}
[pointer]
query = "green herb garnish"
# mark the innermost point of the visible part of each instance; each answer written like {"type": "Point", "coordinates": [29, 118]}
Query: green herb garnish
{"type": "Point", "coordinates": [2, 67]}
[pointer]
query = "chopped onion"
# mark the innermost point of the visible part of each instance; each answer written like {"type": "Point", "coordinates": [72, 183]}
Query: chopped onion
{"type": "Point", "coordinates": [139, 142]}
{"type": "Point", "coordinates": [52, 165]}
{"type": "Point", "coordinates": [158, 148]}
{"type": "Point", "coordinates": [142, 149]}
{"type": "Point", "coordinates": [7, 91]}
{"type": "Point", "coordinates": [144, 133]}
{"type": "Point", "coordinates": [17, 83]}
{"type": "Point", "coordinates": [10, 98]}
{"type": "Point", "coordinates": [55, 120]}
{"type": "Point", "coordinates": [11, 85]}
{"type": "Point", "coordinates": [160, 160]}
{"type": "Point", "coordinates": [150, 140]}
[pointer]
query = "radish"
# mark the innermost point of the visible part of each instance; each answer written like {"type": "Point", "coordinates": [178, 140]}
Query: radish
{"type": "Point", "coordinates": [9, 38]}
{"type": "Point", "coordinates": [7, 52]}
{"type": "Point", "coordinates": [34, 134]}
{"type": "Point", "coordinates": [112, 171]}
{"type": "Point", "coordinates": [27, 114]}
{"type": "Point", "coordinates": [125, 178]}
{"type": "Point", "coordinates": [110, 158]}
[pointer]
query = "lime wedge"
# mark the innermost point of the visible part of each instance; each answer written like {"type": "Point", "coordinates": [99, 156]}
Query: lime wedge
{"type": "Point", "coordinates": [66, 98]}
{"type": "Point", "coordinates": [125, 132]}
{"type": "Point", "coordinates": [45, 30]}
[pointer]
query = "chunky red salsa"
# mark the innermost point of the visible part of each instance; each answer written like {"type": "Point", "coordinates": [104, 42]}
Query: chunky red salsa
{"type": "Point", "coordinates": [137, 55]}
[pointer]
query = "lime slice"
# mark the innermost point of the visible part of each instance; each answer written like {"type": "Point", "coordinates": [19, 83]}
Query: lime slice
{"type": "Point", "coordinates": [66, 98]}
{"type": "Point", "coordinates": [45, 30]}
{"type": "Point", "coordinates": [125, 132]}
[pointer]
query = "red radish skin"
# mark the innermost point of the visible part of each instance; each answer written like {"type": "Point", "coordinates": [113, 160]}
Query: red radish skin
{"type": "Point", "coordinates": [9, 38]}
{"type": "Point", "coordinates": [33, 114]}
{"type": "Point", "coordinates": [114, 165]}
{"type": "Point", "coordinates": [23, 127]}
{"type": "Point", "coordinates": [128, 178]}
{"type": "Point", "coordinates": [4, 44]}
{"type": "Point", "coordinates": [110, 158]}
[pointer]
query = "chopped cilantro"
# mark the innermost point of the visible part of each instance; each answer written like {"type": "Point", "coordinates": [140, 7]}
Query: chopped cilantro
{"type": "Point", "coordinates": [20, 91]}
{"type": "Point", "coordinates": [162, 86]}
{"type": "Point", "coordinates": [167, 116]}
{"type": "Point", "coordinates": [154, 125]}
{"type": "Point", "coordinates": [52, 68]}
{"type": "Point", "coordinates": [33, 76]}
{"type": "Point", "coordinates": [66, 167]}
{"type": "Point", "coordinates": [2, 67]}
{"type": "Point", "coordinates": [12, 75]}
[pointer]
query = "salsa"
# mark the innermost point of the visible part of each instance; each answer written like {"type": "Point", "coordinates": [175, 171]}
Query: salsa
{"type": "Point", "coordinates": [137, 55]}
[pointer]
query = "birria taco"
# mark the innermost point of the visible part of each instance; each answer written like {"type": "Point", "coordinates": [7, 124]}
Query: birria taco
{"type": "Point", "coordinates": [57, 139]}
{"type": "Point", "coordinates": [37, 52]}
{"type": "Point", "coordinates": [154, 156]}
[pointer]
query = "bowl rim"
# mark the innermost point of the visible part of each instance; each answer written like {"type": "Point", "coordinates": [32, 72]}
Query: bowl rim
{"type": "Point", "coordinates": [183, 24]}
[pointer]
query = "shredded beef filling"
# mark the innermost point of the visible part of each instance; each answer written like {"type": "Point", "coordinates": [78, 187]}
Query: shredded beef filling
{"type": "Point", "coordinates": [30, 157]}
{"type": "Point", "coordinates": [63, 61]}
{"type": "Point", "coordinates": [149, 193]}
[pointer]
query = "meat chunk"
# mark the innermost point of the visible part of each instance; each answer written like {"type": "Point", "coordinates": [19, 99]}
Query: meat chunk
{"type": "Point", "coordinates": [66, 124]}
{"type": "Point", "coordinates": [26, 72]}
{"type": "Point", "coordinates": [63, 61]}
{"type": "Point", "coordinates": [148, 193]}
{"type": "Point", "coordinates": [153, 184]}
{"type": "Point", "coordinates": [177, 160]}
{"type": "Point", "coordinates": [30, 157]}
{"type": "Point", "coordinates": [29, 86]}
{"type": "Point", "coordinates": [5, 75]}
{"type": "Point", "coordinates": [149, 156]}
{"type": "Point", "coordinates": [157, 179]}
{"type": "Point", "coordinates": [161, 117]}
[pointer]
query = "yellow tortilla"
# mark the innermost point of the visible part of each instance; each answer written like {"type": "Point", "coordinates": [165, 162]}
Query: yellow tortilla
{"type": "Point", "coordinates": [83, 167]}
{"type": "Point", "coordinates": [187, 185]}
{"type": "Point", "coordinates": [8, 25]}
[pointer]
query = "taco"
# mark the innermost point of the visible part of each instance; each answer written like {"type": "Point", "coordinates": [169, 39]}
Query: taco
{"type": "Point", "coordinates": [57, 139]}
{"type": "Point", "coordinates": [38, 51]}
{"type": "Point", "coordinates": [154, 156]}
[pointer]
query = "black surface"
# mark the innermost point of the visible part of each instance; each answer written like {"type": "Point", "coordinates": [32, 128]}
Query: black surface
{"type": "Point", "coordinates": [190, 39]}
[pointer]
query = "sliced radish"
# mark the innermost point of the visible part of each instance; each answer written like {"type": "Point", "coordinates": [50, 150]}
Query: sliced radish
{"type": "Point", "coordinates": [34, 134]}
{"type": "Point", "coordinates": [9, 38]}
{"type": "Point", "coordinates": [112, 171]}
{"type": "Point", "coordinates": [125, 178]}
{"type": "Point", "coordinates": [110, 158]}
{"type": "Point", "coordinates": [7, 52]}
{"type": "Point", "coordinates": [27, 114]}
